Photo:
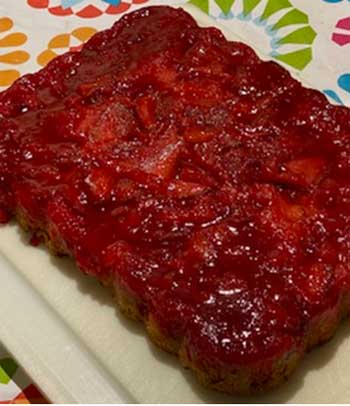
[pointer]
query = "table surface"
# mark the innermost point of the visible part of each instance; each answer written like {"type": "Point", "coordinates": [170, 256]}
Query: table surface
{"type": "Point", "coordinates": [303, 36]}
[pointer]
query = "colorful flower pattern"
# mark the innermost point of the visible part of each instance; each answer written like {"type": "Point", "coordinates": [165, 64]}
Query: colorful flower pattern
{"type": "Point", "coordinates": [65, 42]}
{"type": "Point", "coordinates": [19, 389]}
{"type": "Point", "coordinates": [11, 53]}
{"type": "Point", "coordinates": [341, 35]}
{"type": "Point", "coordinates": [82, 8]}
{"type": "Point", "coordinates": [291, 36]}
{"type": "Point", "coordinates": [342, 94]}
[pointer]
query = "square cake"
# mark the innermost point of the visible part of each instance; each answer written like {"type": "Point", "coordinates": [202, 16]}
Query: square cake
{"type": "Point", "coordinates": [209, 189]}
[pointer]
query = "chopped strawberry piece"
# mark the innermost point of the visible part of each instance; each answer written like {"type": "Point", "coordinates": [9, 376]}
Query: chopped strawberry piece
{"type": "Point", "coordinates": [308, 169]}
{"type": "Point", "coordinates": [181, 189]}
{"type": "Point", "coordinates": [100, 184]}
{"type": "Point", "coordinates": [160, 158]}
{"type": "Point", "coordinates": [146, 109]}
{"type": "Point", "coordinates": [198, 135]}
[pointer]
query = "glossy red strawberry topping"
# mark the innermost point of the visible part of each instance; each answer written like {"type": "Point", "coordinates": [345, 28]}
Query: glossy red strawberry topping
{"type": "Point", "coordinates": [208, 183]}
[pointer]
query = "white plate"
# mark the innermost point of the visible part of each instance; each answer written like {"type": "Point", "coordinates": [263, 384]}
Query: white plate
{"type": "Point", "coordinates": [65, 330]}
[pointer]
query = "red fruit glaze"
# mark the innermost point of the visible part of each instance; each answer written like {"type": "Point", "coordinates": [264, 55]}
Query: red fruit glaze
{"type": "Point", "coordinates": [210, 184]}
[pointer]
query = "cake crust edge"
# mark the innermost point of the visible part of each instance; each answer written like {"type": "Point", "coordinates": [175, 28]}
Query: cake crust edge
{"type": "Point", "coordinates": [252, 379]}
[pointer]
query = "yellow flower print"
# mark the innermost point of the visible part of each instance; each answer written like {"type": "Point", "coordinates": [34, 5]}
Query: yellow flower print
{"type": "Point", "coordinates": [8, 55]}
{"type": "Point", "coordinates": [65, 42]}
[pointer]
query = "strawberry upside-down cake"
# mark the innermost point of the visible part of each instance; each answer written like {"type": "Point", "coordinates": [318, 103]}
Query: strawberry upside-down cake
{"type": "Point", "coordinates": [208, 188]}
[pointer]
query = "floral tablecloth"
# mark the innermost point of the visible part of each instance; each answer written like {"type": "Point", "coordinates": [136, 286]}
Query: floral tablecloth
{"type": "Point", "coordinates": [311, 38]}
{"type": "Point", "coordinates": [15, 384]}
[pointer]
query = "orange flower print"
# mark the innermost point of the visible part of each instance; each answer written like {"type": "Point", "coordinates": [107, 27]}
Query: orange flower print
{"type": "Point", "coordinates": [84, 8]}
{"type": "Point", "coordinates": [65, 42]}
{"type": "Point", "coordinates": [10, 54]}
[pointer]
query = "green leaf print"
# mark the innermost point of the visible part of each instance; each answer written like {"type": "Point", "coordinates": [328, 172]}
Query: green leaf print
{"type": "Point", "coordinates": [292, 17]}
{"type": "Point", "coordinates": [273, 6]}
{"type": "Point", "coordinates": [298, 59]}
{"type": "Point", "coordinates": [8, 368]}
{"type": "Point", "coordinates": [249, 6]}
{"type": "Point", "coordinates": [225, 5]}
{"type": "Point", "coordinates": [201, 4]}
{"type": "Point", "coordinates": [305, 35]}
